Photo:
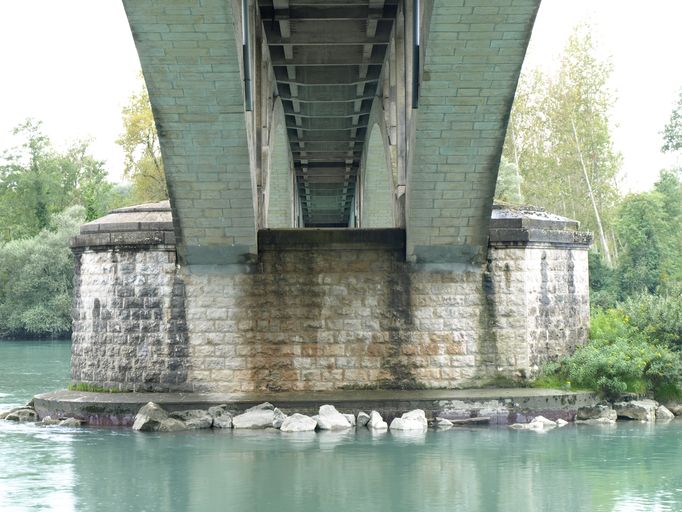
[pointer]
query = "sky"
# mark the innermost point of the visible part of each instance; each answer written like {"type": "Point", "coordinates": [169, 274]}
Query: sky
{"type": "Point", "coordinates": [73, 65]}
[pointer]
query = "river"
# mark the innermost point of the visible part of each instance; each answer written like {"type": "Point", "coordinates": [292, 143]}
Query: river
{"type": "Point", "coordinates": [627, 467]}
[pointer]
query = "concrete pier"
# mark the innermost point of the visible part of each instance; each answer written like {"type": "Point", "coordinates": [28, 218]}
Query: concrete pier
{"type": "Point", "coordinates": [323, 309]}
{"type": "Point", "coordinates": [502, 406]}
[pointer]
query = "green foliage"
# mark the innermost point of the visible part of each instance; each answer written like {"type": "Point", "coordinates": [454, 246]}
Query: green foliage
{"type": "Point", "coordinates": [37, 182]}
{"type": "Point", "coordinates": [629, 351]}
{"type": "Point", "coordinates": [508, 189]}
{"type": "Point", "coordinates": [640, 226]}
{"type": "Point", "coordinates": [36, 279]}
{"type": "Point", "coordinates": [91, 388]}
{"type": "Point", "coordinates": [604, 291]}
{"type": "Point", "coordinates": [657, 317]}
{"type": "Point", "coordinates": [672, 133]}
{"type": "Point", "coordinates": [140, 143]}
{"type": "Point", "coordinates": [560, 139]}
{"type": "Point", "coordinates": [648, 227]}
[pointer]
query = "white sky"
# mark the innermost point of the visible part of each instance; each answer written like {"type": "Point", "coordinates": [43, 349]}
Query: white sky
{"type": "Point", "coordinates": [73, 65]}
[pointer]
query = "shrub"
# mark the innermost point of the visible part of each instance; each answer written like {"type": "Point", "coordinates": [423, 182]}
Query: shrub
{"type": "Point", "coordinates": [620, 357]}
{"type": "Point", "coordinates": [36, 280]}
{"type": "Point", "coordinates": [658, 317]}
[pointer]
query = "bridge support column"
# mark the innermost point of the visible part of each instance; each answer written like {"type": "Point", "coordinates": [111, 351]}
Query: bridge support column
{"type": "Point", "coordinates": [323, 309]}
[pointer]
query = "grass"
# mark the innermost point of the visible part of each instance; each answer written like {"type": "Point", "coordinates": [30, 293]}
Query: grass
{"type": "Point", "coordinates": [91, 388]}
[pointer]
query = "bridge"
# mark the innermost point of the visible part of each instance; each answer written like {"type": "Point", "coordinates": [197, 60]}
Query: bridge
{"type": "Point", "coordinates": [331, 168]}
{"type": "Point", "coordinates": [302, 113]}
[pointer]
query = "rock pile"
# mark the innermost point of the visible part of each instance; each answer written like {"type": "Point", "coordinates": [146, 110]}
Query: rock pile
{"type": "Point", "coordinates": [28, 414]}
{"type": "Point", "coordinates": [607, 414]}
{"type": "Point", "coordinates": [153, 418]}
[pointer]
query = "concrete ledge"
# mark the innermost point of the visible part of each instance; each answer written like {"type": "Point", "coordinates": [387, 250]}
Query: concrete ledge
{"type": "Point", "coordinates": [503, 406]}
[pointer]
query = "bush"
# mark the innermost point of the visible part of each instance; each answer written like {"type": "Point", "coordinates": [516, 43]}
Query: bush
{"type": "Point", "coordinates": [620, 357]}
{"type": "Point", "coordinates": [658, 317]}
{"type": "Point", "coordinates": [36, 280]}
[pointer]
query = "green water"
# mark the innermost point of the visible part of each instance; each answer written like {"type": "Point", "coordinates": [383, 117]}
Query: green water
{"type": "Point", "coordinates": [629, 467]}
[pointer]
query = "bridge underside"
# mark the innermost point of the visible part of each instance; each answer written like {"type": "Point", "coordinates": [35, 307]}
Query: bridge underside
{"type": "Point", "coordinates": [327, 59]}
{"type": "Point", "coordinates": [429, 82]}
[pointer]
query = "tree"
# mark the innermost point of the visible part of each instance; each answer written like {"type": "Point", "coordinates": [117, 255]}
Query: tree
{"type": "Point", "coordinates": [508, 189]}
{"type": "Point", "coordinates": [672, 133]}
{"type": "Point", "coordinates": [560, 139]}
{"type": "Point", "coordinates": [37, 182]}
{"type": "Point", "coordinates": [648, 226]}
{"type": "Point", "coordinates": [36, 279]}
{"type": "Point", "coordinates": [140, 143]}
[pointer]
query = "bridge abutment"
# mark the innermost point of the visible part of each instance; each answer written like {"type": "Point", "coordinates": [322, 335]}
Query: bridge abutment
{"type": "Point", "coordinates": [323, 309]}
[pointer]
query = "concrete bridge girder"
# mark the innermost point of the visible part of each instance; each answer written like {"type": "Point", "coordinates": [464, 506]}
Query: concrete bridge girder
{"type": "Point", "coordinates": [472, 55]}
{"type": "Point", "coordinates": [192, 68]}
{"type": "Point", "coordinates": [338, 72]}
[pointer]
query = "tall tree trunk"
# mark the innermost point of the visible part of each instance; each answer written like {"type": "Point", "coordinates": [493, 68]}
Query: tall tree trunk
{"type": "Point", "coordinates": [602, 236]}
{"type": "Point", "coordinates": [515, 150]}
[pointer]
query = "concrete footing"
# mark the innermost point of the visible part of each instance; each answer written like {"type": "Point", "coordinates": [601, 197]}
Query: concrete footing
{"type": "Point", "coordinates": [502, 406]}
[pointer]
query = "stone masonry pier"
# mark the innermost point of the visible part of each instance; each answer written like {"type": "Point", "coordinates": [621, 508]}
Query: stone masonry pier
{"type": "Point", "coordinates": [323, 309]}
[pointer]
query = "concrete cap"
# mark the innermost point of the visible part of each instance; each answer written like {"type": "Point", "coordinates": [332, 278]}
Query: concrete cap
{"type": "Point", "coordinates": [143, 224]}
{"type": "Point", "coordinates": [531, 224]}
{"type": "Point", "coordinates": [140, 217]}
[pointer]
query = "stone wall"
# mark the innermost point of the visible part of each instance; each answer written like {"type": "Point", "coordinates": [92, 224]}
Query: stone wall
{"type": "Point", "coordinates": [129, 329]}
{"type": "Point", "coordinates": [325, 310]}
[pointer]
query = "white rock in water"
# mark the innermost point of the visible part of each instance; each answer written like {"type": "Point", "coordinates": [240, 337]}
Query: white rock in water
{"type": "Point", "coordinates": [561, 422]}
{"type": "Point", "coordinates": [152, 418]}
{"type": "Point", "coordinates": [70, 423]}
{"type": "Point", "coordinates": [592, 412]}
{"type": "Point", "coordinates": [539, 424]}
{"type": "Point", "coordinates": [194, 419]}
{"type": "Point", "coordinates": [443, 423]}
{"type": "Point", "coordinates": [413, 420]}
{"type": "Point", "coordinates": [376, 422]}
{"type": "Point", "coordinates": [171, 425]}
{"type": "Point", "coordinates": [260, 416]}
{"type": "Point", "coordinates": [221, 418]}
{"type": "Point", "coordinates": [663, 414]}
{"type": "Point", "coordinates": [363, 419]}
{"type": "Point", "coordinates": [22, 415]}
{"type": "Point", "coordinates": [47, 421]}
{"type": "Point", "coordinates": [542, 422]}
{"type": "Point", "coordinates": [350, 418]}
{"type": "Point", "coordinates": [224, 421]}
{"type": "Point", "coordinates": [149, 417]}
{"type": "Point", "coordinates": [279, 417]}
{"type": "Point", "coordinates": [642, 410]}
{"type": "Point", "coordinates": [298, 423]}
{"type": "Point", "coordinates": [331, 419]}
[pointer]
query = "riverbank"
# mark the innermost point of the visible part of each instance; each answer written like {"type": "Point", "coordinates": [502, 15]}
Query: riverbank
{"type": "Point", "coordinates": [504, 406]}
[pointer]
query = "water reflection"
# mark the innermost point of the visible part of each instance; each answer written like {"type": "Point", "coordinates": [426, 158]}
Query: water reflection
{"type": "Point", "coordinates": [630, 467]}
